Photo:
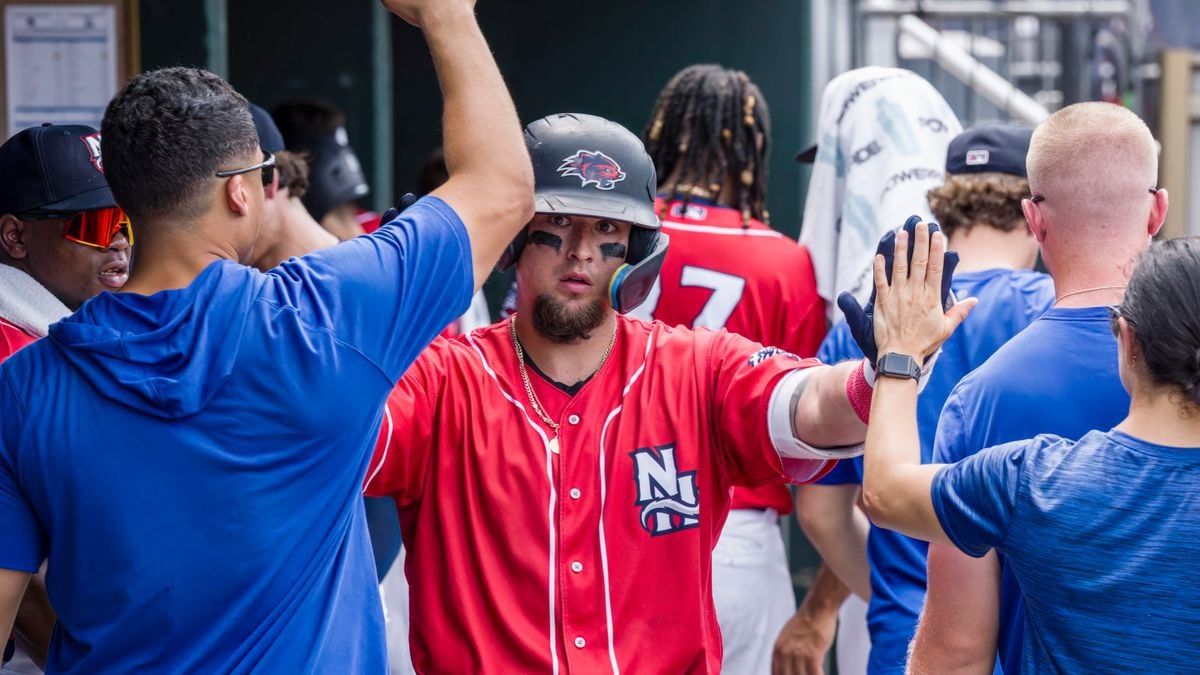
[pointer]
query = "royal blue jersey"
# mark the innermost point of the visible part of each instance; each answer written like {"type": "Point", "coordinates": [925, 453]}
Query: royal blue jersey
{"type": "Point", "coordinates": [1058, 377]}
{"type": "Point", "coordinates": [1102, 535]}
{"type": "Point", "coordinates": [1008, 301]}
{"type": "Point", "coordinates": [191, 462]}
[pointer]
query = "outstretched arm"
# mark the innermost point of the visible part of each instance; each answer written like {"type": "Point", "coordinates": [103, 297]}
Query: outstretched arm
{"type": "Point", "coordinates": [822, 414]}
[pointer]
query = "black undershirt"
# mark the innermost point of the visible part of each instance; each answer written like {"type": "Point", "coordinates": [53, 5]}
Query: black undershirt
{"type": "Point", "coordinates": [568, 389]}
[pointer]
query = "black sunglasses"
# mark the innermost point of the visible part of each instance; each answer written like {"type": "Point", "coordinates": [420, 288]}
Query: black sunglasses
{"type": "Point", "coordinates": [267, 166]}
{"type": "Point", "coordinates": [1038, 199]}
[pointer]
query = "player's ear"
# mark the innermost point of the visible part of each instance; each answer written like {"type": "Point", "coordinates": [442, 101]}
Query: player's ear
{"type": "Point", "coordinates": [12, 237]}
{"type": "Point", "coordinates": [237, 196]}
{"type": "Point", "coordinates": [1033, 216]}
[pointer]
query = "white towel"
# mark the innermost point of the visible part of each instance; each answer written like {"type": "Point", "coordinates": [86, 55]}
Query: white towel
{"type": "Point", "coordinates": [882, 139]}
{"type": "Point", "coordinates": [27, 304]}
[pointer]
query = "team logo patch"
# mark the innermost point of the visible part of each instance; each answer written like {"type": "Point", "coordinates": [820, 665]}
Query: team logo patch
{"type": "Point", "coordinates": [767, 352]}
{"type": "Point", "coordinates": [593, 168]}
{"type": "Point", "coordinates": [668, 497]}
{"type": "Point", "coordinates": [978, 157]}
{"type": "Point", "coordinates": [92, 141]}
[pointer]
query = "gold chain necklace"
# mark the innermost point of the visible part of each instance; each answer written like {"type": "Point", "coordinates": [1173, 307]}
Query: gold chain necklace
{"type": "Point", "coordinates": [533, 399]}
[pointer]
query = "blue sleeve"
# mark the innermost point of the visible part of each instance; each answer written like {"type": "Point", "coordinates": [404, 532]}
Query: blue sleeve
{"type": "Point", "coordinates": [975, 499]}
{"type": "Point", "coordinates": [22, 546]}
{"type": "Point", "coordinates": [951, 440]}
{"type": "Point", "coordinates": [839, 345]}
{"type": "Point", "coordinates": [847, 471]}
{"type": "Point", "coordinates": [387, 294]}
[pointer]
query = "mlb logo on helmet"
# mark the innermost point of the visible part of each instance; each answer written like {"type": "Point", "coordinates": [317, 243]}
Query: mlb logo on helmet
{"type": "Point", "coordinates": [92, 141]}
{"type": "Point", "coordinates": [978, 157]}
{"type": "Point", "coordinates": [593, 168]}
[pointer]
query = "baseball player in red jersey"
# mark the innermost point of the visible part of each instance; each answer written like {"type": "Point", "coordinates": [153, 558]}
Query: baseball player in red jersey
{"type": "Point", "coordinates": [728, 269]}
{"type": "Point", "coordinates": [562, 476]}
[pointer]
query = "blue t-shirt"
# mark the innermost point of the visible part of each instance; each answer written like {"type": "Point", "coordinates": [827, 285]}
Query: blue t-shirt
{"type": "Point", "coordinates": [1059, 376]}
{"type": "Point", "coordinates": [1008, 301]}
{"type": "Point", "coordinates": [1103, 535]}
{"type": "Point", "coordinates": [192, 461]}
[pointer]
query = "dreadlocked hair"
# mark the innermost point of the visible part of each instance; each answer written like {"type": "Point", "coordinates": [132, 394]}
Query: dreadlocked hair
{"type": "Point", "coordinates": [707, 125]}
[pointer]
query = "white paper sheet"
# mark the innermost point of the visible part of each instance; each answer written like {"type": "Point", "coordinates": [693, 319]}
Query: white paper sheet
{"type": "Point", "coordinates": [61, 64]}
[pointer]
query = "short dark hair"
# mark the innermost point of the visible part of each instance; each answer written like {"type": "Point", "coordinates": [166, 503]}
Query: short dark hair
{"type": "Point", "coordinates": [1160, 303]}
{"type": "Point", "coordinates": [989, 198]}
{"type": "Point", "coordinates": [166, 134]}
{"type": "Point", "coordinates": [293, 172]}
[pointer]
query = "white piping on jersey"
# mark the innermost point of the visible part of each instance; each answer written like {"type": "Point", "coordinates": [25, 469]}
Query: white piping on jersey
{"type": "Point", "coordinates": [608, 614]}
{"type": "Point", "coordinates": [387, 445]}
{"type": "Point", "coordinates": [710, 229]}
{"type": "Point", "coordinates": [553, 495]}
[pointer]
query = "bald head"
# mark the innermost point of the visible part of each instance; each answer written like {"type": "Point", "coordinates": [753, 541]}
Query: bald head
{"type": "Point", "coordinates": [1094, 163]}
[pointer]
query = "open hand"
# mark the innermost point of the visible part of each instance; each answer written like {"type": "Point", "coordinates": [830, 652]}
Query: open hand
{"type": "Point", "coordinates": [908, 315]}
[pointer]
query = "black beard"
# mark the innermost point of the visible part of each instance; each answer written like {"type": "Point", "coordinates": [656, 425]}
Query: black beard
{"type": "Point", "coordinates": [558, 324]}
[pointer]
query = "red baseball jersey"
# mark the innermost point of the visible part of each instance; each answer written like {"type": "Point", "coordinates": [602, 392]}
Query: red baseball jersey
{"type": "Point", "coordinates": [594, 558]}
{"type": "Point", "coordinates": [12, 339]}
{"type": "Point", "coordinates": [748, 279]}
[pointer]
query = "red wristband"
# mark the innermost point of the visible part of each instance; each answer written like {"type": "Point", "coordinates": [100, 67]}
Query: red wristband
{"type": "Point", "coordinates": [859, 393]}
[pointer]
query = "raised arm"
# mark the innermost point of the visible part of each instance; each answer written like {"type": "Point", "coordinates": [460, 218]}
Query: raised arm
{"type": "Point", "coordinates": [909, 322]}
{"type": "Point", "coordinates": [491, 177]}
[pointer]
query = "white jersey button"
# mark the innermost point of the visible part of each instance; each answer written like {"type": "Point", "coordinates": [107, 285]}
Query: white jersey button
{"type": "Point", "coordinates": [573, 419]}
{"type": "Point", "coordinates": [580, 642]}
{"type": "Point", "coordinates": [577, 567]}
{"type": "Point", "coordinates": [575, 493]}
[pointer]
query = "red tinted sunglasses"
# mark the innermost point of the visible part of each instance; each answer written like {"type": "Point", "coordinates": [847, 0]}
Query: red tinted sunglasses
{"type": "Point", "coordinates": [97, 227]}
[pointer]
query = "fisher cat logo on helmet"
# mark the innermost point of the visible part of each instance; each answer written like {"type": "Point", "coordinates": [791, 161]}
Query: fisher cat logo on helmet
{"type": "Point", "coordinates": [593, 168]}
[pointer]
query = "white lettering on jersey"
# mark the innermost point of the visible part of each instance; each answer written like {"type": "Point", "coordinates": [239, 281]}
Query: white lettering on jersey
{"type": "Point", "coordinates": [668, 498]}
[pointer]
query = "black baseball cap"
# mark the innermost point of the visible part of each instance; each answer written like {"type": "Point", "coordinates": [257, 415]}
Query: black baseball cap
{"type": "Point", "coordinates": [989, 147]}
{"type": "Point", "coordinates": [269, 138]}
{"type": "Point", "coordinates": [55, 168]}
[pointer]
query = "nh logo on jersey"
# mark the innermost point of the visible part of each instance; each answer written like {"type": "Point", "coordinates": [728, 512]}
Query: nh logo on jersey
{"type": "Point", "coordinates": [668, 498]}
{"type": "Point", "coordinates": [593, 168]}
{"type": "Point", "coordinates": [92, 141]}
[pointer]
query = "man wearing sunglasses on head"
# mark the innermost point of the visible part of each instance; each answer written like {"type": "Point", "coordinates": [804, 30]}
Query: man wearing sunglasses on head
{"type": "Point", "coordinates": [62, 241]}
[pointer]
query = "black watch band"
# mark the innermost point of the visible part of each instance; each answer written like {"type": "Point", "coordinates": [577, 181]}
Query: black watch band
{"type": "Point", "coordinates": [898, 365]}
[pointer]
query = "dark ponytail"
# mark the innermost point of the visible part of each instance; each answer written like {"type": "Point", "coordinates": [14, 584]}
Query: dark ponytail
{"type": "Point", "coordinates": [1162, 303]}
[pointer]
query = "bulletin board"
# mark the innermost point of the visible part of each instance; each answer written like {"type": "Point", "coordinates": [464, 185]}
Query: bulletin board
{"type": "Point", "coordinates": [61, 62]}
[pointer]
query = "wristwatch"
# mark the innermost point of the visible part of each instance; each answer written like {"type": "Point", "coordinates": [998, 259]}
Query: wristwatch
{"type": "Point", "coordinates": [898, 365]}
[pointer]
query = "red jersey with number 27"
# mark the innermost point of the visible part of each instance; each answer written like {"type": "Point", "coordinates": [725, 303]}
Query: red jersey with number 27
{"type": "Point", "coordinates": [750, 280]}
{"type": "Point", "coordinates": [595, 558]}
